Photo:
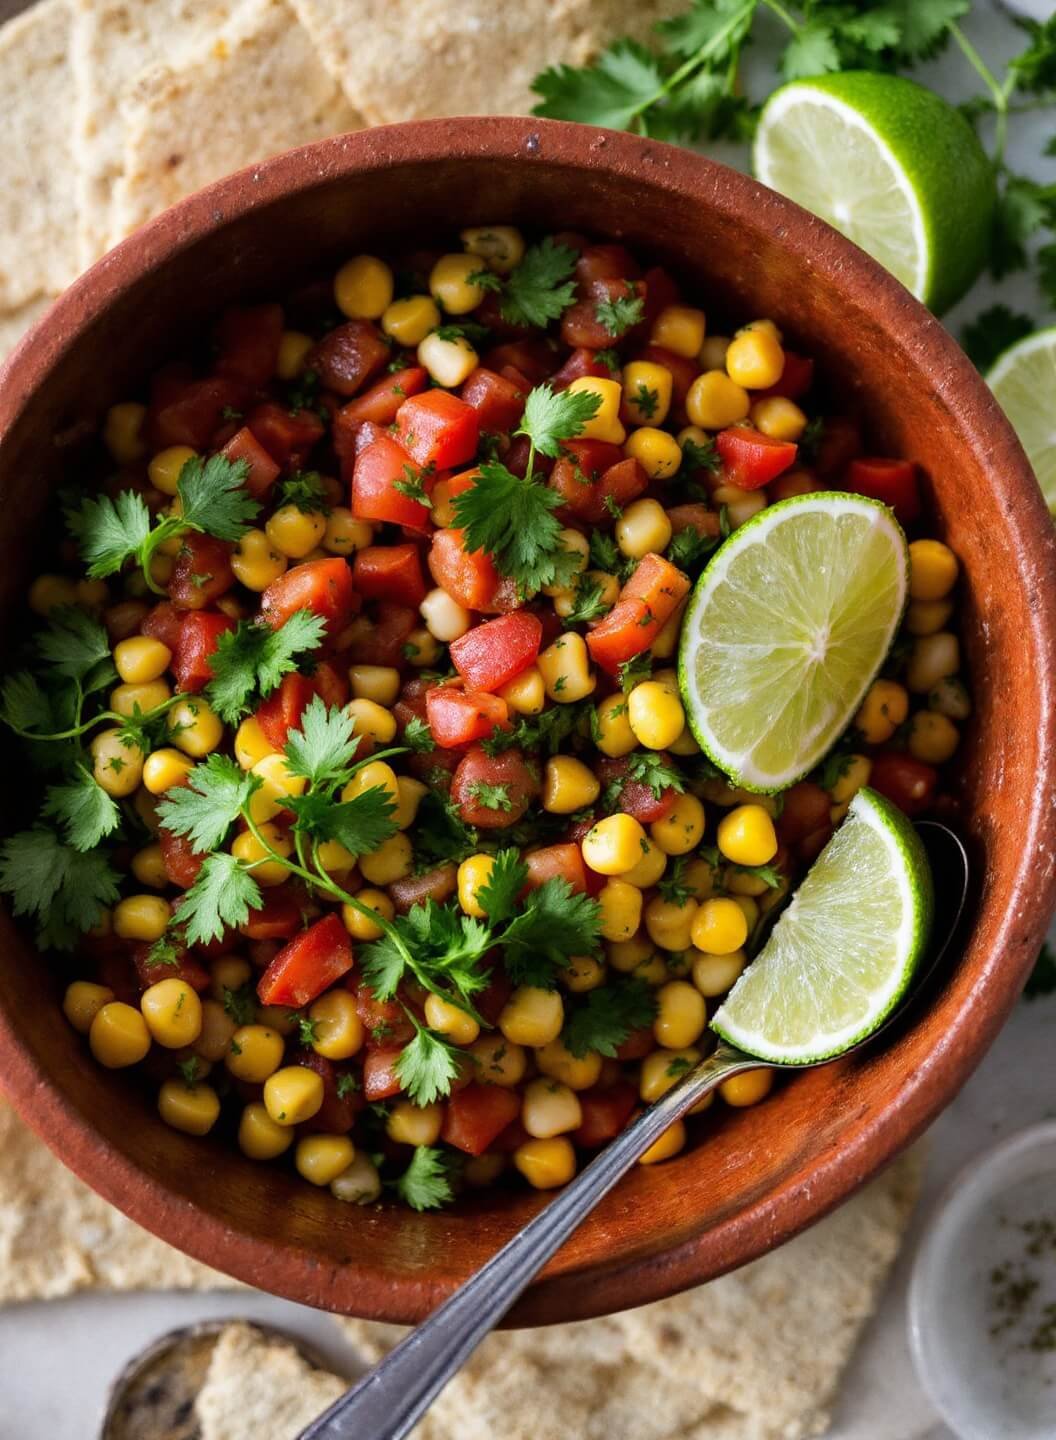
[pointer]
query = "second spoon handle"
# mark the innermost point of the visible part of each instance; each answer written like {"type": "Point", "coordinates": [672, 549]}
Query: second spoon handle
{"type": "Point", "coordinates": [385, 1404]}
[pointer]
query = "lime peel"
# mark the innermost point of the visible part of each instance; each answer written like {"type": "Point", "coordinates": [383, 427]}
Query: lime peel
{"type": "Point", "coordinates": [1020, 378]}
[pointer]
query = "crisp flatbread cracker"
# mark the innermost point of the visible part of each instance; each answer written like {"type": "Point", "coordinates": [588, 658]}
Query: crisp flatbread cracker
{"type": "Point", "coordinates": [254, 89]}
{"type": "Point", "coordinates": [38, 254]}
{"type": "Point", "coordinates": [755, 1355]}
{"type": "Point", "coordinates": [257, 1386]}
{"type": "Point", "coordinates": [402, 60]}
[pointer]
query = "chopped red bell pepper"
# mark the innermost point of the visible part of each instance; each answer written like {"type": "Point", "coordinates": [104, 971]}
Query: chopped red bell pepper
{"type": "Point", "coordinates": [682, 371]}
{"type": "Point", "coordinates": [377, 471]}
{"type": "Point", "coordinates": [201, 572]}
{"type": "Point", "coordinates": [892, 481]}
{"type": "Point", "coordinates": [191, 411]}
{"type": "Point", "coordinates": [263, 471]}
{"type": "Point", "coordinates": [806, 809]}
{"type": "Point", "coordinates": [380, 404]}
{"type": "Point", "coordinates": [498, 650]}
{"type": "Point", "coordinates": [164, 622]}
{"type": "Point", "coordinates": [470, 576]}
{"type": "Point", "coordinates": [595, 480]}
{"type": "Point", "coordinates": [752, 459]}
{"type": "Point", "coordinates": [198, 638]}
{"type": "Point", "coordinates": [385, 1021]}
{"type": "Point", "coordinates": [580, 363]}
{"type": "Point", "coordinates": [797, 376]}
{"type": "Point", "coordinates": [438, 429]}
{"type": "Point", "coordinates": [605, 1111]}
{"type": "Point", "coordinates": [288, 436]}
{"type": "Point", "coordinates": [647, 601]}
{"type": "Point", "coordinates": [476, 1115]}
{"type": "Point", "coordinates": [458, 717]}
{"type": "Point", "coordinates": [281, 711]}
{"type": "Point", "coordinates": [248, 343]}
{"type": "Point", "coordinates": [561, 862]}
{"type": "Point", "coordinates": [322, 586]}
{"type": "Point", "coordinates": [337, 1114]}
{"type": "Point", "coordinates": [186, 968]}
{"type": "Point", "coordinates": [637, 798]}
{"type": "Point", "coordinates": [533, 357]}
{"type": "Point", "coordinates": [380, 1080]}
{"type": "Point", "coordinates": [390, 572]}
{"type": "Point", "coordinates": [279, 918]}
{"type": "Point", "coordinates": [180, 859]}
{"type": "Point", "coordinates": [312, 962]}
{"type": "Point", "coordinates": [499, 403]}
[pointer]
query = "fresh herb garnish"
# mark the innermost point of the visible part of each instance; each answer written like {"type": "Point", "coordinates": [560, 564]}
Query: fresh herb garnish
{"type": "Point", "coordinates": [250, 661]}
{"type": "Point", "coordinates": [602, 1020]}
{"type": "Point", "coordinates": [426, 1183]}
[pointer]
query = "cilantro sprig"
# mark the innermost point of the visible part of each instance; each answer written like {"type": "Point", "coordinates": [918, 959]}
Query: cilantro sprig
{"type": "Point", "coordinates": [603, 1018]}
{"type": "Point", "coordinates": [540, 289]}
{"type": "Point", "coordinates": [426, 1183]}
{"type": "Point", "coordinates": [250, 661]}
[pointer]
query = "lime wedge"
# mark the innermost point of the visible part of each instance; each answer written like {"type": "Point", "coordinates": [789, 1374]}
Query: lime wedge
{"type": "Point", "coordinates": [843, 953]}
{"type": "Point", "coordinates": [891, 165]}
{"type": "Point", "coordinates": [1024, 381]}
{"type": "Point", "coordinates": [786, 630]}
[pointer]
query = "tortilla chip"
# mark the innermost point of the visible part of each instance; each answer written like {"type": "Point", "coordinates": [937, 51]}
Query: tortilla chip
{"type": "Point", "coordinates": [255, 89]}
{"type": "Point", "coordinates": [257, 1387]}
{"type": "Point", "coordinates": [401, 60]}
{"type": "Point", "coordinates": [58, 1237]}
{"type": "Point", "coordinates": [38, 255]}
{"type": "Point", "coordinates": [755, 1355]}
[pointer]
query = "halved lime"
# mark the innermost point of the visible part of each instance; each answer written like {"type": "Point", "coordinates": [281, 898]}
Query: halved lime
{"type": "Point", "coordinates": [891, 165]}
{"type": "Point", "coordinates": [786, 630]}
{"type": "Point", "coordinates": [1024, 381]}
{"type": "Point", "coordinates": [843, 953]}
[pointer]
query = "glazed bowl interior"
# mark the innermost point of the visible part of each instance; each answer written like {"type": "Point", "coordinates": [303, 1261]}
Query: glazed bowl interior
{"type": "Point", "coordinates": [753, 1178]}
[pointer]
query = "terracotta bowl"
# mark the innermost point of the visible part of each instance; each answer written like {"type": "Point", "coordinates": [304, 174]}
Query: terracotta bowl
{"type": "Point", "coordinates": [754, 1178]}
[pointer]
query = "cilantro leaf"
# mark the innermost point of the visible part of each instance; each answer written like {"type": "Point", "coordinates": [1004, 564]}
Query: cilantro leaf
{"type": "Point", "coordinates": [602, 1020]}
{"type": "Point", "coordinates": [992, 332]}
{"type": "Point", "coordinates": [360, 824]}
{"type": "Point", "coordinates": [499, 897]}
{"type": "Point", "coordinates": [86, 813]}
{"type": "Point", "coordinates": [426, 1183]}
{"type": "Point", "coordinates": [490, 797]}
{"type": "Point", "coordinates": [588, 605]}
{"type": "Point", "coordinates": [513, 521]}
{"type": "Point", "coordinates": [214, 497]}
{"type": "Point", "coordinates": [671, 885]}
{"type": "Point", "coordinates": [24, 706]}
{"type": "Point", "coordinates": [630, 672]}
{"type": "Point", "coordinates": [427, 1066]}
{"type": "Point", "coordinates": [603, 552]}
{"type": "Point", "coordinates": [61, 888]}
{"type": "Point", "coordinates": [241, 1004]}
{"type": "Point", "coordinates": [620, 314]}
{"type": "Point", "coordinates": [555, 924]}
{"type": "Point", "coordinates": [923, 25]}
{"type": "Point", "coordinates": [655, 770]}
{"type": "Point", "coordinates": [811, 51]}
{"type": "Point", "coordinates": [550, 417]}
{"type": "Point", "coordinates": [209, 804]}
{"type": "Point", "coordinates": [323, 745]}
{"type": "Point", "coordinates": [689, 547]}
{"type": "Point", "coordinates": [700, 457]}
{"type": "Point", "coordinates": [110, 532]}
{"type": "Point", "coordinates": [1023, 208]}
{"type": "Point", "coordinates": [623, 81]}
{"type": "Point", "coordinates": [417, 736]}
{"type": "Point", "coordinates": [1035, 68]}
{"type": "Point", "coordinates": [77, 647]}
{"type": "Point", "coordinates": [540, 288]}
{"type": "Point", "coordinates": [443, 947]}
{"type": "Point", "coordinates": [220, 899]}
{"type": "Point", "coordinates": [252, 659]}
{"type": "Point", "coordinates": [710, 30]}
{"type": "Point", "coordinates": [547, 731]}
{"type": "Point", "coordinates": [306, 490]}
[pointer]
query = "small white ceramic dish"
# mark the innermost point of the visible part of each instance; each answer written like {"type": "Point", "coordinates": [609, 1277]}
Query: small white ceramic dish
{"type": "Point", "coordinates": [982, 1298]}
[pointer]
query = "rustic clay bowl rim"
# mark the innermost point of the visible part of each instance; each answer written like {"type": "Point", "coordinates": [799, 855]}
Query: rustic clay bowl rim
{"type": "Point", "coordinates": [868, 1143]}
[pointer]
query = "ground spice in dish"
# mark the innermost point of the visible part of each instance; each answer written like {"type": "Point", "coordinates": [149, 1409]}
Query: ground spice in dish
{"type": "Point", "coordinates": [1015, 1287]}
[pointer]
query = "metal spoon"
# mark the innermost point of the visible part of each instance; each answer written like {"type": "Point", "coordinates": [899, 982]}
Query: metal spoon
{"type": "Point", "coordinates": [385, 1404]}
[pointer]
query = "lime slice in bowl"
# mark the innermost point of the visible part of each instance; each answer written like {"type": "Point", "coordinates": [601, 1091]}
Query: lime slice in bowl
{"type": "Point", "coordinates": [843, 953]}
{"type": "Point", "coordinates": [787, 627]}
{"type": "Point", "coordinates": [891, 165]}
{"type": "Point", "coordinates": [1024, 381]}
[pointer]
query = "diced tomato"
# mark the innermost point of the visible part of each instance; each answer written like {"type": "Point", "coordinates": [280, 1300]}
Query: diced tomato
{"type": "Point", "coordinates": [330, 683]}
{"type": "Point", "coordinates": [322, 586]}
{"type": "Point", "coordinates": [638, 1045]}
{"type": "Point", "coordinates": [590, 471]}
{"type": "Point", "coordinates": [289, 437]}
{"type": "Point", "coordinates": [426, 764]}
{"type": "Point", "coordinates": [186, 968]}
{"type": "Point", "coordinates": [752, 459]}
{"type": "Point", "coordinates": [385, 1021]}
{"type": "Point", "coordinates": [683, 373]}
{"type": "Point", "coordinates": [349, 356]}
{"type": "Point", "coordinates": [492, 653]}
{"type": "Point", "coordinates": [248, 341]}
{"type": "Point", "coordinates": [509, 771]}
{"type": "Point", "coordinates": [580, 326]}
{"type": "Point", "coordinates": [198, 638]}
{"type": "Point", "coordinates": [458, 717]}
{"type": "Point", "coordinates": [375, 474]}
{"type": "Point", "coordinates": [605, 1112]}
{"type": "Point", "coordinates": [281, 711]}
{"type": "Point", "coordinates": [892, 481]}
{"type": "Point", "coordinates": [279, 918]}
{"type": "Point", "coordinates": [636, 798]}
{"type": "Point", "coordinates": [263, 471]}
{"type": "Point", "coordinates": [337, 1114]}
{"type": "Point", "coordinates": [164, 623]}
{"type": "Point", "coordinates": [560, 862]}
{"type": "Point", "coordinates": [660, 292]}
{"type": "Point", "coordinates": [581, 362]}
{"type": "Point", "coordinates": [841, 442]}
{"type": "Point", "coordinates": [606, 262]}
{"type": "Point", "coordinates": [533, 357]}
{"type": "Point", "coordinates": [180, 859]}
{"type": "Point", "coordinates": [499, 403]}
{"type": "Point", "coordinates": [438, 884]}
{"type": "Point", "coordinates": [380, 404]}
{"type": "Point", "coordinates": [796, 378]}
{"type": "Point", "coordinates": [308, 965]}
{"type": "Point", "coordinates": [201, 572]}
{"type": "Point", "coordinates": [806, 808]}
{"type": "Point", "coordinates": [476, 1115]}
{"type": "Point", "coordinates": [470, 577]}
{"type": "Point", "coordinates": [646, 602]}
{"type": "Point", "coordinates": [380, 1080]}
{"type": "Point", "coordinates": [438, 429]}
{"type": "Point", "coordinates": [390, 572]}
{"type": "Point", "coordinates": [382, 643]}
{"type": "Point", "coordinates": [907, 783]}
{"type": "Point", "coordinates": [192, 411]}
{"type": "Point", "coordinates": [694, 516]}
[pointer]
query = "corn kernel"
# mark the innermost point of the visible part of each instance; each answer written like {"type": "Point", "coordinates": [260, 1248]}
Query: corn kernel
{"type": "Point", "coordinates": [576, 1072]}
{"type": "Point", "coordinates": [746, 835]}
{"type": "Point", "coordinates": [568, 785]}
{"type": "Point", "coordinates": [620, 910]}
{"type": "Point", "coordinates": [668, 924]}
{"type": "Point", "coordinates": [546, 1164]}
{"type": "Point", "coordinates": [118, 1036]}
{"type": "Point", "coordinates": [614, 845]}
{"type": "Point", "coordinates": [670, 1143]}
{"type": "Point", "coordinates": [451, 286]}
{"type": "Point", "coordinates": [259, 1137]}
{"type": "Point", "coordinates": [525, 694]}
{"type": "Point", "coordinates": [550, 1109]}
{"type": "Point", "coordinates": [360, 926]}
{"type": "Point", "coordinates": [293, 352]}
{"type": "Point", "coordinates": [410, 321]}
{"type": "Point", "coordinates": [191, 1109]}
{"type": "Point", "coordinates": [680, 329]}
{"type": "Point", "coordinates": [932, 738]}
{"type": "Point", "coordinates": [293, 1094]}
{"type": "Point", "coordinates": [883, 710]}
{"type": "Point", "coordinates": [251, 744]}
{"type": "Point", "coordinates": [195, 728]}
{"type": "Point", "coordinates": [474, 874]}
{"type": "Point", "coordinates": [655, 715]}
{"type": "Point", "coordinates": [933, 570]}
{"type": "Point", "coordinates": [344, 534]}
{"type": "Point", "coordinates": [649, 868]}
{"type": "Point", "coordinates": [320, 1159]}
{"type": "Point", "coordinates": [447, 1019]}
{"type": "Point", "coordinates": [926, 617]}
{"type": "Point", "coordinates": [755, 359]}
{"type": "Point", "coordinates": [82, 1002]}
{"type": "Point", "coordinates": [391, 861]}
{"type": "Point", "coordinates": [662, 1070]}
{"type": "Point", "coordinates": [682, 828]}
{"type": "Point", "coordinates": [714, 401]}
{"type": "Point", "coordinates": [565, 668]}
{"type": "Point", "coordinates": [166, 468]}
{"type": "Point", "coordinates": [681, 1015]}
{"type": "Point", "coordinates": [501, 247]}
{"type": "Point", "coordinates": [605, 423]}
{"type": "Point", "coordinates": [715, 974]}
{"type": "Point", "coordinates": [295, 532]}
{"type": "Point", "coordinates": [747, 1089]}
{"type": "Point", "coordinates": [719, 926]}
{"type": "Point", "coordinates": [123, 432]}
{"type": "Point", "coordinates": [380, 683]}
{"type": "Point", "coordinates": [778, 418]}
{"type": "Point", "coordinates": [266, 871]}
{"type": "Point", "coordinates": [647, 392]}
{"type": "Point", "coordinates": [498, 1061]}
{"type": "Point", "coordinates": [657, 451]}
{"type": "Point", "coordinates": [532, 1016]}
{"type": "Point", "coordinates": [363, 288]}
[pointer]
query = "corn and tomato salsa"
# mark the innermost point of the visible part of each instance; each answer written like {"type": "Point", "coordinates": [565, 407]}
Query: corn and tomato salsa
{"type": "Point", "coordinates": [379, 840]}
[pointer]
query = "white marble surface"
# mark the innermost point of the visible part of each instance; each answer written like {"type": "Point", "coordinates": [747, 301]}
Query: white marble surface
{"type": "Point", "coordinates": [57, 1358]}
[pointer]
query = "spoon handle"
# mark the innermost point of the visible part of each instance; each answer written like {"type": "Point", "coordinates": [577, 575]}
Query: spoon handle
{"type": "Point", "coordinates": [385, 1404]}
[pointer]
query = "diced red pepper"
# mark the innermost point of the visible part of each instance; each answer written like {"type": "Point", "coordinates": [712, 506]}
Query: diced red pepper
{"type": "Point", "coordinates": [660, 292]}
{"type": "Point", "coordinates": [533, 357]}
{"type": "Point", "coordinates": [330, 684]}
{"type": "Point", "coordinates": [385, 1021]}
{"type": "Point", "coordinates": [647, 601]}
{"type": "Point", "coordinates": [695, 516]}
{"type": "Point", "coordinates": [907, 783]}
{"type": "Point", "coordinates": [637, 798]}
{"type": "Point", "coordinates": [607, 261]}
{"type": "Point", "coordinates": [805, 809]}
{"type": "Point", "coordinates": [281, 711]}
{"type": "Point", "coordinates": [605, 1111]}
{"type": "Point", "coordinates": [892, 481]}
{"type": "Point", "coordinates": [380, 1080]}
{"type": "Point", "coordinates": [180, 859]}
{"type": "Point", "coordinates": [263, 471]}
{"type": "Point", "coordinates": [312, 962]}
{"type": "Point", "coordinates": [390, 572]}
{"type": "Point", "coordinates": [248, 341]}
{"type": "Point", "coordinates": [164, 622]}
{"type": "Point", "coordinates": [201, 572]}
{"type": "Point", "coordinates": [322, 586]}
{"type": "Point", "coordinates": [509, 772]}
{"type": "Point", "coordinates": [192, 410]}
{"type": "Point", "coordinates": [438, 884]}
{"type": "Point", "coordinates": [470, 577]}
{"type": "Point", "coordinates": [186, 968]}
{"type": "Point", "coordinates": [382, 643]}
{"type": "Point", "coordinates": [492, 653]}
{"type": "Point", "coordinates": [458, 717]}
{"type": "Point", "coordinates": [289, 437]}
{"type": "Point", "coordinates": [796, 378]}
{"type": "Point", "coordinates": [638, 1045]}
{"type": "Point", "coordinates": [499, 403]}
{"type": "Point", "coordinates": [380, 404]}
{"type": "Point", "coordinates": [492, 999]}
{"type": "Point", "coordinates": [580, 326]}
{"type": "Point", "coordinates": [279, 918]}
{"type": "Point", "coordinates": [376, 472]}
{"type": "Point", "coordinates": [560, 862]}
{"type": "Point", "coordinates": [438, 429]}
{"type": "Point", "coordinates": [476, 1115]}
{"type": "Point", "coordinates": [581, 362]}
{"type": "Point", "coordinates": [349, 356]}
{"type": "Point", "coordinates": [752, 459]}
{"type": "Point", "coordinates": [198, 638]}
{"type": "Point", "coordinates": [591, 476]}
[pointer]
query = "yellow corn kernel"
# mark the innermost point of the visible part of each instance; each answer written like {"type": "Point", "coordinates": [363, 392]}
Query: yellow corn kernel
{"type": "Point", "coordinates": [149, 868]}
{"type": "Point", "coordinates": [649, 868]}
{"type": "Point", "coordinates": [742, 882]}
{"type": "Point", "coordinates": [373, 719]}
{"type": "Point", "coordinates": [747, 1089]}
{"type": "Point", "coordinates": [627, 955]}
{"type": "Point", "coordinates": [251, 743]}
{"type": "Point", "coordinates": [140, 659]}
{"type": "Point", "coordinates": [713, 353]}
{"type": "Point", "coordinates": [380, 683]}
{"type": "Point", "coordinates": [375, 774]}
{"type": "Point", "coordinates": [715, 974]}
{"type": "Point", "coordinates": [447, 1019]}
{"type": "Point", "coordinates": [363, 288]}
{"type": "Point", "coordinates": [740, 505]}
{"type": "Point", "coordinates": [360, 926]}
{"type": "Point", "coordinates": [392, 860]}
{"type": "Point", "coordinates": [614, 845]}
{"type": "Point", "coordinates": [254, 1053]}
{"type": "Point", "coordinates": [293, 352]}
{"type": "Point", "coordinates": [932, 738]}
{"type": "Point", "coordinates": [670, 1143]}
{"type": "Point", "coordinates": [501, 247]}
{"type": "Point", "coordinates": [657, 452]}
{"type": "Point", "coordinates": [344, 534]}
{"type": "Point", "coordinates": [653, 971]}
{"type": "Point", "coordinates": [118, 1035]}
{"type": "Point", "coordinates": [411, 793]}
{"type": "Point", "coordinates": [550, 1108]}
{"type": "Point", "coordinates": [666, 642]}
{"type": "Point", "coordinates": [681, 1015]}
{"type": "Point", "coordinates": [449, 362]}
{"type": "Point", "coordinates": [719, 926]}
{"type": "Point", "coordinates": [320, 1159]}
{"type": "Point", "coordinates": [173, 1013]}
{"type": "Point", "coordinates": [266, 871]}
{"type": "Point", "coordinates": [583, 973]}
{"type": "Point", "coordinates": [605, 423]}
{"type": "Point", "coordinates": [92, 594]}
{"type": "Point", "coordinates": [195, 728]}
{"type": "Point", "coordinates": [571, 542]}
{"type": "Point", "coordinates": [214, 1038]}
{"type": "Point", "coordinates": [277, 783]}
{"type": "Point", "coordinates": [146, 807]}
{"type": "Point", "coordinates": [669, 925]}
{"type": "Point", "coordinates": [933, 658]}
{"type": "Point", "coordinates": [295, 532]}
{"type": "Point", "coordinates": [444, 617]}
{"type": "Point", "coordinates": [421, 649]}
{"type": "Point", "coordinates": [497, 1061]}
{"type": "Point", "coordinates": [933, 570]}
{"type": "Point", "coordinates": [256, 562]}
{"type": "Point", "coordinates": [714, 401]}
{"type": "Point", "coordinates": [141, 917]}
{"type": "Point", "coordinates": [577, 1073]}
{"type": "Point", "coordinates": [568, 785]}
{"type": "Point", "coordinates": [655, 715]}
{"type": "Point", "coordinates": [525, 694]}
{"type": "Point", "coordinates": [854, 773]}
{"type": "Point", "coordinates": [620, 911]}
{"type": "Point", "coordinates": [698, 879]}
{"type": "Point", "coordinates": [123, 432]}
{"type": "Point", "coordinates": [359, 1183]}
{"type": "Point", "coordinates": [229, 972]}
{"type": "Point", "coordinates": [192, 1109]}
{"type": "Point", "coordinates": [685, 744]}
{"type": "Point", "coordinates": [259, 1137]}
{"type": "Point", "coordinates": [647, 393]}
{"type": "Point", "coordinates": [47, 592]}
{"type": "Point", "coordinates": [117, 764]}
{"type": "Point", "coordinates": [883, 710]}
{"type": "Point", "coordinates": [451, 286]}
{"type": "Point", "coordinates": [778, 418]}
{"type": "Point", "coordinates": [410, 1124]}
{"type": "Point", "coordinates": [663, 1069]}
{"type": "Point", "coordinates": [293, 1094]}
{"type": "Point", "coordinates": [166, 467]}
{"type": "Point", "coordinates": [614, 734]}
{"type": "Point", "coordinates": [338, 1030]}
{"type": "Point", "coordinates": [546, 1164]}
{"type": "Point", "coordinates": [532, 1016]}
{"type": "Point", "coordinates": [643, 527]}
{"type": "Point", "coordinates": [334, 858]}
{"type": "Point", "coordinates": [680, 329]}
{"type": "Point", "coordinates": [131, 700]}
{"type": "Point", "coordinates": [682, 829]}
{"type": "Point", "coordinates": [926, 617]}
{"type": "Point", "coordinates": [746, 835]}
{"type": "Point", "coordinates": [565, 668]}
{"type": "Point", "coordinates": [755, 358]}
{"type": "Point", "coordinates": [410, 321]}
{"type": "Point", "coordinates": [82, 1002]}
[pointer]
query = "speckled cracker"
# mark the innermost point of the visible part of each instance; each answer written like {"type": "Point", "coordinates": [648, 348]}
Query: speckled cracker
{"type": "Point", "coordinates": [259, 1387]}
